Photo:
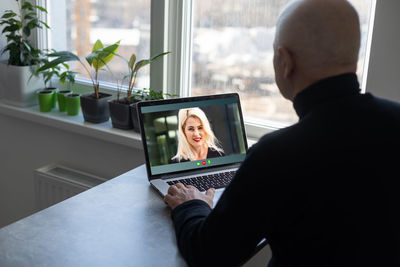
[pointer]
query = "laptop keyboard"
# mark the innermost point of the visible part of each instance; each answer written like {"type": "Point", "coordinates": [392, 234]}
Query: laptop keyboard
{"type": "Point", "coordinates": [217, 180]}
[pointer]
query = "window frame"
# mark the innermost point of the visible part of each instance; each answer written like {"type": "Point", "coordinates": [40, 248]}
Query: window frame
{"type": "Point", "coordinates": [177, 37]}
{"type": "Point", "coordinates": [171, 30]}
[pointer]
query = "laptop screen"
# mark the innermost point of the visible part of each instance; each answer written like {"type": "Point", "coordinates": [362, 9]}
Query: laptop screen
{"type": "Point", "coordinates": [192, 133]}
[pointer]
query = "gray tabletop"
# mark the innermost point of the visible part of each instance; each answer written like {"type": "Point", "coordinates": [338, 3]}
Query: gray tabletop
{"type": "Point", "coordinates": [122, 222]}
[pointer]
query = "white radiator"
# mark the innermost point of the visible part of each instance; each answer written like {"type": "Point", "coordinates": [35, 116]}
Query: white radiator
{"type": "Point", "coordinates": [55, 183]}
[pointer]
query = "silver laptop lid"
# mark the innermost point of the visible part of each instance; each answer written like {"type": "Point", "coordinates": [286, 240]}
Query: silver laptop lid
{"type": "Point", "coordinates": [215, 122]}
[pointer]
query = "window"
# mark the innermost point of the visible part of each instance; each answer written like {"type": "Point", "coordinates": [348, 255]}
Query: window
{"type": "Point", "coordinates": [213, 50]}
{"type": "Point", "coordinates": [232, 52]}
{"type": "Point", "coordinates": [127, 21]}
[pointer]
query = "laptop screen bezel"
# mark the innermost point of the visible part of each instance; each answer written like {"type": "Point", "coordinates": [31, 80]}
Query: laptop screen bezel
{"type": "Point", "coordinates": [177, 101]}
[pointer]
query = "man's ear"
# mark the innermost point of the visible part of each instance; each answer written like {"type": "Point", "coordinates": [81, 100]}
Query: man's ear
{"type": "Point", "coordinates": [287, 61]}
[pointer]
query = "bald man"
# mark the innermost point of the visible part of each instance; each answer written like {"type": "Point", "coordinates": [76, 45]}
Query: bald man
{"type": "Point", "coordinates": [323, 191]}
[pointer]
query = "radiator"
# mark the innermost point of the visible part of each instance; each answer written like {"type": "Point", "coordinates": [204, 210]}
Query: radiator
{"type": "Point", "coordinates": [55, 183]}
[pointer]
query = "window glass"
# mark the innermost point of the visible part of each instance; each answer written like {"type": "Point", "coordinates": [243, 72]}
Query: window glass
{"type": "Point", "coordinates": [232, 52]}
{"type": "Point", "coordinates": [127, 21]}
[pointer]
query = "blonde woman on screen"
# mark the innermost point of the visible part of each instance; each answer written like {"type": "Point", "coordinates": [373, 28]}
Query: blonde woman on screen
{"type": "Point", "coordinates": [196, 140]}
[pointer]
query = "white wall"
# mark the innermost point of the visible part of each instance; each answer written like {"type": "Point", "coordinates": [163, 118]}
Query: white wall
{"type": "Point", "coordinates": [26, 146]}
{"type": "Point", "coordinates": [384, 69]}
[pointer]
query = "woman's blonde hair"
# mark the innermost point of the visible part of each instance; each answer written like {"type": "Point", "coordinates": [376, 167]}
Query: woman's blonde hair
{"type": "Point", "coordinates": [184, 150]}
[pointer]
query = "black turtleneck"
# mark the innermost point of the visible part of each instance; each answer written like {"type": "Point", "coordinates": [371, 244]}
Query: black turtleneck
{"type": "Point", "coordinates": [325, 90]}
{"type": "Point", "coordinates": [322, 191]}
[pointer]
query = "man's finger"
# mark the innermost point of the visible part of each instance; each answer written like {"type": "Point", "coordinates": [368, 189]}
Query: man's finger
{"type": "Point", "coordinates": [192, 187]}
{"type": "Point", "coordinates": [170, 200]}
{"type": "Point", "coordinates": [172, 190]}
{"type": "Point", "coordinates": [167, 198]}
{"type": "Point", "coordinates": [180, 185]}
{"type": "Point", "coordinates": [210, 192]}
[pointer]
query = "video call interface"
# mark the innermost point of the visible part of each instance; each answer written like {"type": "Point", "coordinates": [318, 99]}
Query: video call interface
{"type": "Point", "coordinates": [213, 124]}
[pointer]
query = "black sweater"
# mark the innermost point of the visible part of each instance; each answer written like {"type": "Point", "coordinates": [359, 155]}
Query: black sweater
{"type": "Point", "coordinates": [322, 191]}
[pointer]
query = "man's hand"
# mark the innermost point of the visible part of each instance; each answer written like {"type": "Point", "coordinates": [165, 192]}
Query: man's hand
{"type": "Point", "coordinates": [177, 194]}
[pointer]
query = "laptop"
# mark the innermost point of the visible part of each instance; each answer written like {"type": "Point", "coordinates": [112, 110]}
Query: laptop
{"type": "Point", "coordinates": [199, 141]}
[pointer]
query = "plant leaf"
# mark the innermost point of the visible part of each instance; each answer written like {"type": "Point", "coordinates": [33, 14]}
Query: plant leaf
{"type": "Point", "coordinates": [97, 45]}
{"type": "Point", "coordinates": [10, 22]}
{"type": "Point", "coordinates": [158, 56]}
{"type": "Point", "coordinates": [62, 77]}
{"type": "Point", "coordinates": [89, 58]}
{"type": "Point", "coordinates": [29, 16]}
{"type": "Point", "coordinates": [145, 62]}
{"type": "Point", "coordinates": [47, 77]}
{"type": "Point", "coordinates": [11, 28]}
{"type": "Point", "coordinates": [132, 60]}
{"type": "Point", "coordinates": [27, 31]}
{"type": "Point", "coordinates": [22, 57]}
{"type": "Point", "coordinates": [60, 57]}
{"type": "Point", "coordinates": [105, 55]}
{"type": "Point", "coordinates": [45, 24]}
{"type": "Point", "coordinates": [27, 5]}
{"type": "Point", "coordinates": [40, 8]}
{"type": "Point", "coordinates": [33, 23]}
{"type": "Point", "coordinates": [8, 14]}
{"type": "Point", "coordinates": [63, 54]}
{"type": "Point", "coordinates": [27, 45]}
{"type": "Point", "coordinates": [140, 64]}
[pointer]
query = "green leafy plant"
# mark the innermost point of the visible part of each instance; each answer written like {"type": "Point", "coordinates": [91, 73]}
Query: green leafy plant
{"type": "Point", "coordinates": [62, 71]}
{"type": "Point", "coordinates": [67, 75]}
{"type": "Point", "coordinates": [134, 68]}
{"type": "Point", "coordinates": [149, 94]}
{"type": "Point", "coordinates": [18, 26]}
{"type": "Point", "coordinates": [97, 60]}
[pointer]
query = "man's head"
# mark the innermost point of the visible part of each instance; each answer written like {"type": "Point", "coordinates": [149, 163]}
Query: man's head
{"type": "Point", "coordinates": [314, 39]}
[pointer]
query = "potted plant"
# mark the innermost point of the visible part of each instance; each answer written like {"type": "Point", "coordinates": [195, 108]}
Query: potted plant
{"type": "Point", "coordinates": [46, 97]}
{"type": "Point", "coordinates": [94, 105]}
{"type": "Point", "coordinates": [16, 86]}
{"type": "Point", "coordinates": [63, 72]}
{"type": "Point", "coordinates": [121, 108]}
{"type": "Point", "coordinates": [145, 94]}
{"type": "Point", "coordinates": [120, 111]}
{"type": "Point", "coordinates": [66, 75]}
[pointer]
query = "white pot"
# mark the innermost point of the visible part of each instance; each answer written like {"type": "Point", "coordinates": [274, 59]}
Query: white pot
{"type": "Point", "coordinates": [16, 86]}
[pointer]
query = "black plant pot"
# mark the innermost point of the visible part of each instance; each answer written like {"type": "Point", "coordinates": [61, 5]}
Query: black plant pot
{"type": "Point", "coordinates": [120, 113]}
{"type": "Point", "coordinates": [95, 110]}
{"type": "Point", "coordinates": [135, 118]}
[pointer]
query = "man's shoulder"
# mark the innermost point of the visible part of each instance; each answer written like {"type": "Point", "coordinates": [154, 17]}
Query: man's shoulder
{"type": "Point", "coordinates": [381, 110]}
{"type": "Point", "coordinates": [383, 102]}
{"type": "Point", "coordinates": [277, 140]}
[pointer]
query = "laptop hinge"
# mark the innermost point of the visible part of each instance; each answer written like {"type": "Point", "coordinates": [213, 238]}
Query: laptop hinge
{"type": "Point", "coordinates": [198, 172]}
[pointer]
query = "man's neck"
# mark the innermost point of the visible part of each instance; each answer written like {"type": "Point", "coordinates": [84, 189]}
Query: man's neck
{"type": "Point", "coordinates": [303, 80]}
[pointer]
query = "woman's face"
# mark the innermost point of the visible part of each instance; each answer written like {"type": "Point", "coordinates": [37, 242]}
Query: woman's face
{"type": "Point", "coordinates": [194, 132]}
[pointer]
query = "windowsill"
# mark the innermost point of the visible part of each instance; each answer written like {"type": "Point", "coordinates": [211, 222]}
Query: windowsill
{"type": "Point", "coordinates": [75, 124]}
